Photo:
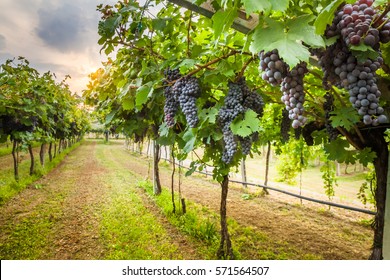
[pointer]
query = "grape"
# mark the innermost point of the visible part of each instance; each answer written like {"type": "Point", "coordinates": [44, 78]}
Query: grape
{"type": "Point", "coordinates": [273, 66]}
{"type": "Point", "coordinates": [186, 91]}
{"type": "Point", "coordinates": [238, 99]}
{"type": "Point", "coordinates": [285, 125]}
{"type": "Point", "coordinates": [293, 94]}
{"type": "Point", "coordinates": [355, 24]}
{"type": "Point", "coordinates": [171, 106]}
{"type": "Point", "coordinates": [328, 109]}
{"type": "Point", "coordinates": [246, 144]}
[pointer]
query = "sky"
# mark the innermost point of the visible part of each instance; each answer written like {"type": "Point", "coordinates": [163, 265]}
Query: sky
{"type": "Point", "coordinates": [53, 35]}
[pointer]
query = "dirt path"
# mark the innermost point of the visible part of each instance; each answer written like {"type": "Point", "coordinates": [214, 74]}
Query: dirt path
{"type": "Point", "coordinates": [60, 216]}
{"type": "Point", "coordinates": [332, 235]}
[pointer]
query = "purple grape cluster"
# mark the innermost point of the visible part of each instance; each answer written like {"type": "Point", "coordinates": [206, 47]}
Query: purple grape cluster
{"type": "Point", "coordinates": [341, 68]}
{"type": "Point", "coordinates": [273, 67]}
{"type": "Point", "coordinates": [293, 94]}
{"type": "Point", "coordinates": [238, 99]}
{"type": "Point", "coordinates": [171, 106]}
{"type": "Point", "coordinates": [358, 22]}
{"type": "Point", "coordinates": [183, 93]}
{"type": "Point", "coordinates": [187, 90]}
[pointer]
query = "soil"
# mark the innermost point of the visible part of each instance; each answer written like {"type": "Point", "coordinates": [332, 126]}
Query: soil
{"type": "Point", "coordinates": [334, 234]}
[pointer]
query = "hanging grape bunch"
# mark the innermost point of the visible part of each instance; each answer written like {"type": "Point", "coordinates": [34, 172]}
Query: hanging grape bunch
{"type": "Point", "coordinates": [273, 67]}
{"type": "Point", "coordinates": [293, 94]}
{"type": "Point", "coordinates": [183, 94]}
{"type": "Point", "coordinates": [171, 105]}
{"type": "Point", "coordinates": [356, 24]}
{"type": "Point", "coordinates": [238, 99]}
{"type": "Point", "coordinates": [186, 91]}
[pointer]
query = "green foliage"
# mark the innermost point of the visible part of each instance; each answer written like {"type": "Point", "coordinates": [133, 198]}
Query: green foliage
{"type": "Point", "coordinates": [247, 125]}
{"type": "Point", "coordinates": [367, 190]}
{"type": "Point", "coordinates": [293, 159]}
{"type": "Point", "coordinates": [329, 178]}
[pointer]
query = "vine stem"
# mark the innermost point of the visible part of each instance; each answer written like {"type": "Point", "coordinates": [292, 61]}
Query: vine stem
{"type": "Point", "coordinates": [188, 35]}
{"type": "Point", "coordinates": [385, 12]}
{"type": "Point", "coordinates": [239, 76]}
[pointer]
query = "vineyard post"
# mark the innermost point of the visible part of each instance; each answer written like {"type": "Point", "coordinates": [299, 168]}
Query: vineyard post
{"type": "Point", "coordinates": [243, 173]}
{"type": "Point", "coordinates": [386, 232]}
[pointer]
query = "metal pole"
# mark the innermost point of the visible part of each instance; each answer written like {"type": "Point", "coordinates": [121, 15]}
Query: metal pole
{"type": "Point", "coordinates": [243, 173]}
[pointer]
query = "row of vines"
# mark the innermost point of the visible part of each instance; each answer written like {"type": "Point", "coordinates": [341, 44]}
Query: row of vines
{"type": "Point", "coordinates": [34, 108]}
{"type": "Point", "coordinates": [310, 73]}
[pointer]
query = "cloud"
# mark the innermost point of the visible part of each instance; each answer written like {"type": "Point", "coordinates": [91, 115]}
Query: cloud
{"type": "Point", "coordinates": [3, 43]}
{"type": "Point", "coordinates": [66, 27]}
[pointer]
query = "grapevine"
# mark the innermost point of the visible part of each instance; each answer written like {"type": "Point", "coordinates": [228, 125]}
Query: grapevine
{"type": "Point", "coordinates": [273, 67]}
{"type": "Point", "coordinates": [293, 94]}
{"type": "Point", "coordinates": [355, 24]}
{"type": "Point", "coordinates": [238, 99]}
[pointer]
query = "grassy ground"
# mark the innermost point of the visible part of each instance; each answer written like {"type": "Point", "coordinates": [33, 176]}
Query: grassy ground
{"type": "Point", "coordinates": [98, 204]}
{"type": "Point", "coordinates": [9, 186]}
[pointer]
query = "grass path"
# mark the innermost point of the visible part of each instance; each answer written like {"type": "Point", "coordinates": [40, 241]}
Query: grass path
{"type": "Point", "coordinates": [95, 205]}
{"type": "Point", "coordinates": [85, 210]}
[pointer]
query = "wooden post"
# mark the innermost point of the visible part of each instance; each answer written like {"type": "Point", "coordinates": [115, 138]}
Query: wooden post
{"type": "Point", "coordinates": [386, 233]}
{"type": "Point", "coordinates": [243, 173]}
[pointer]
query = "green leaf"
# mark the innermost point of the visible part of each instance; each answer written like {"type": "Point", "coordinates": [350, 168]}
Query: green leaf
{"type": "Point", "coordinates": [344, 117]}
{"type": "Point", "coordinates": [252, 6]}
{"type": "Point", "coordinates": [380, 3]}
{"type": "Point", "coordinates": [326, 16]}
{"type": "Point", "coordinates": [110, 116]}
{"type": "Point", "coordinates": [246, 126]}
{"type": "Point", "coordinates": [189, 137]}
{"type": "Point", "coordinates": [366, 156]}
{"type": "Point", "coordinates": [222, 20]}
{"type": "Point", "coordinates": [264, 35]}
{"type": "Point", "coordinates": [338, 150]}
{"type": "Point", "coordinates": [128, 104]}
{"type": "Point", "coordinates": [187, 64]}
{"type": "Point", "coordinates": [291, 51]}
{"type": "Point", "coordinates": [301, 30]}
{"type": "Point", "coordinates": [143, 93]}
{"type": "Point", "coordinates": [279, 5]}
{"type": "Point", "coordinates": [159, 23]}
{"type": "Point", "coordinates": [362, 52]}
{"type": "Point", "coordinates": [274, 37]}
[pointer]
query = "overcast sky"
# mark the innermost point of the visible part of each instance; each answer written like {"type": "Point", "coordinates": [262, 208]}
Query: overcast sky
{"type": "Point", "coordinates": [56, 35]}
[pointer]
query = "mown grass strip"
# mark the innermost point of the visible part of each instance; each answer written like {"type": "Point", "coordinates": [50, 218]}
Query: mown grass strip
{"type": "Point", "coordinates": [128, 229]}
{"type": "Point", "coordinates": [203, 224]}
{"type": "Point", "coordinates": [10, 187]}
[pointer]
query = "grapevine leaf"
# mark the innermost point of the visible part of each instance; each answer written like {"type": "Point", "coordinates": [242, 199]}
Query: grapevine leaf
{"type": "Point", "coordinates": [263, 36]}
{"type": "Point", "coordinates": [128, 104]}
{"type": "Point", "coordinates": [338, 150]}
{"type": "Point", "coordinates": [222, 20]}
{"type": "Point", "coordinates": [279, 5]}
{"type": "Point", "coordinates": [246, 126]}
{"type": "Point", "coordinates": [362, 52]}
{"type": "Point", "coordinates": [256, 6]}
{"type": "Point", "coordinates": [386, 53]}
{"type": "Point", "coordinates": [143, 93]}
{"type": "Point", "coordinates": [209, 115]}
{"type": "Point", "coordinates": [326, 16]}
{"type": "Point", "coordinates": [379, 3]}
{"type": "Point", "coordinates": [291, 51]}
{"type": "Point", "coordinates": [187, 64]}
{"type": "Point", "coordinates": [189, 137]}
{"type": "Point", "coordinates": [366, 156]}
{"type": "Point", "coordinates": [110, 116]}
{"type": "Point", "coordinates": [301, 30]}
{"type": "Point", "coordinates": [344, 117]}
{"type": "Point", "coordinates": [274, 37]}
